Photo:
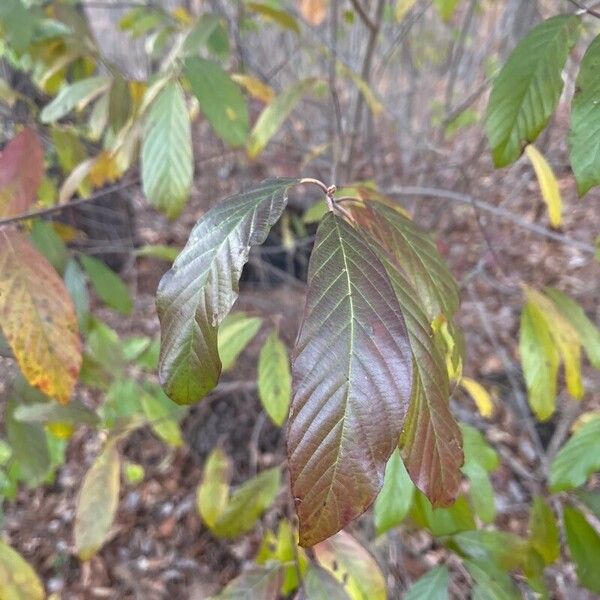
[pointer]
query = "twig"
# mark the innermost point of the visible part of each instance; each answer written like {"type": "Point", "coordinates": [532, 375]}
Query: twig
{"type": "Point", "coordinates": [365, 18]}
{"type": "Point", "coordinates": [60, 207]}
{"type": "Point", "coordinates": [495, 210]}
{"type": "Point", "coordinates": [584, 9]}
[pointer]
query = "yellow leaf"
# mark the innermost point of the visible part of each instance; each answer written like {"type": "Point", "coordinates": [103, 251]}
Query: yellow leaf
{"type": "Point", "coordinates": [18, 580]}
{"type": "Point", "coordinates": [183, 16]}
{"type": "Point", "coordinates": [402, 7]}
{"type": "Point", "coordinates": [97, 502]}
{"type": "Point", "coordinates": [565, 338]}
{"type": "Point", "coordinates": [584, 419]}
{"type": "Point", "coordinates": [480, 396]}
{"type": "Point", "coordinates": [375, 106]}
{"type": "Point", "coordinates": [213, 492]}
{"type": "Point", "coordinates": [548, 184]}
{"type": "Point", "coordinates": [313, 11]}
{"type": "Point", "coordinates": [38, 318]}
{"type": "Point", "coordinates": [104, 170]}
{"type": "Point", "coordinates": [255, 87]}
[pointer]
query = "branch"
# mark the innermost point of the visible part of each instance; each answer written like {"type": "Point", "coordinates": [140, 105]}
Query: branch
{"type": "Point", "coordinates": [60, 207]}
{"type": "Point", "coordinates": [365, 18]}
{"type": "Point", "coordinates": [584, 9]}
{"type": "Point", "coordinates": [495, 210]}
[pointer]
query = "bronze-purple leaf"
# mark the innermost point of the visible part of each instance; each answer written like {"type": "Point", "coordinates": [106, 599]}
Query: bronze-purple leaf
{"type": "Point", "coordinates": [352, 372]}
{"type": "Point", "coordinates": [201, 287]}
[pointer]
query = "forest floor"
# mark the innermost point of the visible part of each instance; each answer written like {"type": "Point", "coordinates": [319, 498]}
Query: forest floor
{"type": "Point", "coordinates": [158, 547]}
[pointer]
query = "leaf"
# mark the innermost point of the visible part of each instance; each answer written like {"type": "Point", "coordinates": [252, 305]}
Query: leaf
{"type": "Point", "coordinates": [254, 584]}
{"type": "Point", "coordinates": [480, 396]}
{"type": "Point", "coordinates": [442, 521]}
{"type": "Point", "coordinates": [255, 87]}
{"type": "Point", "coordinates": [18, 24]}
{"type": "Point", "coordinates": [431, 441]}
{"type": "Point", "coordinates": [577, 459]}
{"type": "Point", "coordinates": [38, 318]}
{"type": "Point", "coordinates": [540, 360]}
{"type": "Point", "coordinates": [280, 17]}
{"type": "Point", "coordinates": [213, 491]}
{"type": "Point", "coordinates": [108, 285]}
{"type": "Point", "coordinates": [544, 533]}
{"type": "Point", "coordinates": [565, 339]}
{"type": "Point", "coordinates": [352, 342]}
{"type": "Point", "coordinates": [74, 413]}
{"type": "Point", "coordinates": [198, 36]}
{"type": "Point", "coordinates": [432, 586]}
{"type": "Point", "coordinates": [161, 414]}
{"type": "Point", "coordinates": [220, 100]}
{"type": "Point", "coordinates": [396, 496]}
{"type": "Point", "coordinates": [585, 122]}
{"type": "Point", "coordinates": [119, 103]}
{"type": "Point", "coordinates": [48, 242]}
{"type": "Point", "coordinates": [201, 287]}
{"type": "Point", "coordinates": [247, 503]}
{"type": "Point", "coordinates": [446, 8]}
{"type": "Point", "coordinates": [584, 545]}
{"type": "Point", "coordinates": [167, 154]}
{"type": "Point", "coordinates": [415, 253]}
{"type": "Point", "coordinates": [98, 500]}
{"type": "Point", "coordinates": [158, 251]}
{"type": "Point", "coordinates": [274, 379]}
{"type": "Point", "coordinates": [314, 11]}
{"type": "Point", "coordinates": [21, 173]}
{"type": "Point", "coordinates": [491, 583]}
{"type": "Point", "coordinates": [588, 332]}
{"type": "Point", "coordinates": [527, 89]}
{"type": "Point", "coordinates": [403, 7]}
{"type": "Point", "coordinates": [275, 113]}
{"type": "Point", "coordinates": [548, 184]}
{"type": "Point", "coordinates": [76, 95]}
{"type": "Point", "coordinates": [18, 580]}
{"type": "Point", "coordinates": [480, 459]}
{"type": "Point", "coordinates": [343, 557]}
{"type": "Point", "coordinates": [320, 585]}
{"type": "Point", "coordinates": [236, 331]}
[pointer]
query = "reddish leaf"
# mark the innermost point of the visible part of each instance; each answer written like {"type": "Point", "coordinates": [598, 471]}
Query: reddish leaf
{"type": "Point", "coordinates": [21, 173]}
{"type": "Point", "coordinates": [352, 381]}
{"type": "Point", "coordinates": [431, 440]}
{"type": "Point", "coordinates": [38, 318]}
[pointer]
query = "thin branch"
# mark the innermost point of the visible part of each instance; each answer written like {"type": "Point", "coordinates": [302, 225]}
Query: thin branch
{"type": "Point", "coordinates": [60, 207]}
{"type": "Point", "coordinates": [495, 210]}
{"type": "Point", "coordinates": [584, 9]}
{"type": "Point", "coordinates": [365, 18]}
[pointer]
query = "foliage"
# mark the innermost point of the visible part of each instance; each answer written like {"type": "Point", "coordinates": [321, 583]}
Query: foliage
{"type": "Point", "coordinates": [365, 397]}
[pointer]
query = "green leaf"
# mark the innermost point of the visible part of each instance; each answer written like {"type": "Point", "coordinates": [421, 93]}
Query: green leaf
{"type": "Point", "coordinates": [76, 95]}
{"type": "Point", "coordinates": [544, 533]}
{"type": "Point", "coordinates": [275, 113]}
{"type": "Point", "coordinates": [446, 8]}
{"type": "Point", "coordinates": [134, 473]}
{"type": "Point", "coordinates": [480, 459]}
{"type": "Point", "coordinates": [442, 521]}
{"type": "Point", "coordinates": [29, 446]}
{"type": "Point", "coordinates": [254, 584]}
{"type": "Point", "coordinates": [108, 285]}
{"type": "Point", "coordinates": [584, 137]}
{"type": "Point", "coordinates": [18, 24]}
{"type": "Point", "coordinates": [591, 500]}
{"type": "Point", "coordinates": [194, 297]}
{"type": "Point", "coordinates": [274, 379]}
{"type": "Point", "coordinates": [432, 586]}
{"type": "Point", "coordinates": [48, 242]}
{"type": "Point", "coordinates": [577, 459]}
{"type": "Point", "coordinates": [220, 100]}
{"type": "Point", "coordinates": [431, 440]}
{"type": "Point", "coordinates": [320, 585]}
{"type": "Point", "coordinates": [97, 504]}
{"type": "Point", "coordinates": [18, 580]}
{"type": "Point", "coordinates": [213, 491]}
{"type": "Point", "coordinates": [588, 332]}
{"type": "Point", "coordinates": [491, 583]}
{"type": "Point", "coordinates": [159, 251]}
{"type": "Point", "coordinates": [247, 503]}
{"type": "Point", "coordinates": [167, 154]}
{"type": "Point", "coordinates": [75, 413]}
{"type": "Point", "coordinates": [396, 496]}
{"type": "Point", "coordinates": [236, 331]}
{"type": "Point", "coordinates": [198, 36]}
{"type": "Point", "coordinates": [540, 360]}
{"type": "Point", "coordinates": [341, 434]}
{"type": "Point", "coordinates": [350, 563]}
{"type": "Point", "coordinates": [119, 103]}
{"type": "Point", "coordinates": [162, 413]}
{"type": "Point", "coordinates": [584, 545]}
{"type": "Point", "coordinates": [527, 89]}
{"type": "Point", "coordinates": [280, 17]}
